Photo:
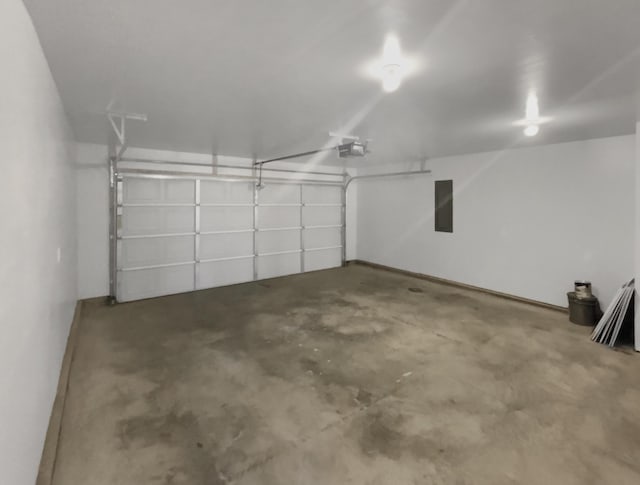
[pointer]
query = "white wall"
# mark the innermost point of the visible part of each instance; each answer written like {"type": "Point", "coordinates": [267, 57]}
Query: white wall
{"type": "Point", "coordinates": [527, 222]}
{"type": "Point", "coordinates": [93, 208]}
{"type": "Point", "coordinates": [37, 206]}
{"type": "Point", "coordinates": [93, 220]}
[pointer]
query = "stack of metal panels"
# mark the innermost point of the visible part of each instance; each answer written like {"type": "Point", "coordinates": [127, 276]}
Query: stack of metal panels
{"type": "Point", "coordinates": [608, 328]}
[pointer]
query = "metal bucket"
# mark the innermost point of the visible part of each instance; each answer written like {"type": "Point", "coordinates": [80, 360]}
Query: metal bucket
{"type": "Point", "coordinates": [583, 311]}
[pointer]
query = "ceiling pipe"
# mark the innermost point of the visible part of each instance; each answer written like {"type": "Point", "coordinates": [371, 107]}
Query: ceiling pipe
{"type": "Point", "coordinates": [344, 150]}
{"type": "Point", "coordinates": [381, 175]}
{"type": "Point", "coordinates": [240, 167]}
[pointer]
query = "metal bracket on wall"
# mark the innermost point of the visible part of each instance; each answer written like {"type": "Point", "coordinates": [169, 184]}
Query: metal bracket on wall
{"type": "Point", "coordinates": [112, 230]}
{"type": "Point", "coordinates": [115, 213]}
{"type": "Point", "coordinates": [118, 121]}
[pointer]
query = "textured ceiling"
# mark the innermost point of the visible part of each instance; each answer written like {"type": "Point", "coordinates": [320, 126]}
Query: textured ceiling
{"type": "Point", "coordinates": [265, 78]}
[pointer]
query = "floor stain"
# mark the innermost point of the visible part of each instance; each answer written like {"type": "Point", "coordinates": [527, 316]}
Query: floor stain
{"type": "Point", "coordinates": [344, 376]}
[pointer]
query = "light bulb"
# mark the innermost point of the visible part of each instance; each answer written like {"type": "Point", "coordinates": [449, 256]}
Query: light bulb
{"type": "Point", "coordinates": [532, 111]}
{"type": "Point", "coordinates": [391, 78]}
{"type": "Point", "coordinates": [532, 119]}
{"type": "Point", "coordinates": [392, 64]}
{"type": "Point", "coordinates": [391, 51]}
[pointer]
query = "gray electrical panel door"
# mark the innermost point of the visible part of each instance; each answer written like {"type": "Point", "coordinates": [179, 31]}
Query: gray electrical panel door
{"type": "Point", "coordinates": [444, 206]}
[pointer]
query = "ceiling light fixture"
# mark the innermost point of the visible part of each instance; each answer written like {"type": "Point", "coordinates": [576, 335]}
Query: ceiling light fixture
{"type": "Point", "coordinates": [532, 119]}
{"type": "Point", "coordinates": [392, 64]}
{"type": "Point", "coordinates": [532, 130]}
{"type": "Point", "coordinates": [532, 116]}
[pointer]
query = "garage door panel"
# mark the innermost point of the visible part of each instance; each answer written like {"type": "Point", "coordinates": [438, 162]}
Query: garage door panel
{"type": "Point", "coordinates": [137, 221]}
{"type": "Point", "coordinates": [269, 217]}
{"type": "Point", "coordinates": [279, 194]}
{"type": "Point", "coordinates": [320, 238]}
{"type": "Point", "coordinates": [179, 191]}
{"type": "Point", "coordinates": [225, 218]}
{"type": "Point", "coordinates": [274, 241]}
{"type": "Point", "coordinates": [278, 265]}
{"type": "Point", "coordinates": [222, 273]}
{"type": "Point", "coordinates": [319, 194]}
{"type": "Point", "coordinates": [324, 259]}
{"type": "Point", "coordinates": [135, 285]}
{"type": "Point", "coordinates": [320, 216]}
{"type": "Point", "coordinates": [152, 191]}
{"type": "Point", "coordinates": [157, 250]}
{"type": "Point", "coordinates": [212, 192]}
{"type": "Point", "coordinates": [226, 245]}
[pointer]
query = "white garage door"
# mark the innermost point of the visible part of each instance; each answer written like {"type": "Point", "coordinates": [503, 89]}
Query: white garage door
{"type": "Point", "coordinates": [182, 234]}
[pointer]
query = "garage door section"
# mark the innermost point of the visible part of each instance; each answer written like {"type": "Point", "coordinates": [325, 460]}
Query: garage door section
{"type": "Point", "coordinates": [322, 220]}
{"type": "Point", "coordinates": [179, 235]}
{"type": "Point", "coordinates": [225, 241]}
{"type": "Point", "coordinates": [156, 237]}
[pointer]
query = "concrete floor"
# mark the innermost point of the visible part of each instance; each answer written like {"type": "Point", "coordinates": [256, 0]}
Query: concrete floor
{"type": "Point", "coordinates": [345, 376]}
